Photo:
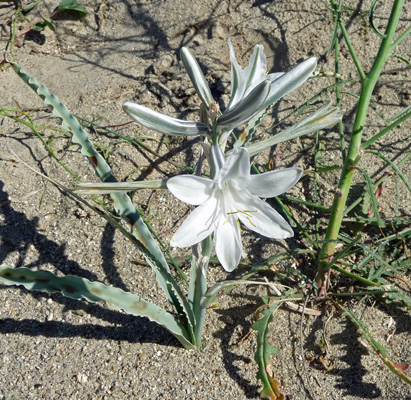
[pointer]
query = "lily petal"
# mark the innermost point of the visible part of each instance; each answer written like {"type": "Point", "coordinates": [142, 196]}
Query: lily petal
{"type": "Point", "coordinates": [191, 189]}
{"type": "Point", "coordinates": [290, 81]}
{"type": "Point", "coordinates": [197, 77]}
{"type": "Point", "coordinates": [244, 81]}
{"type": "Point", "coordinates": [258, 216]}
{"type": "Point", "coordinates": [238, 80]}
{"type": "Point", "coordinates": [162, 123]}
{"type": "Point", "coordinates": [228, 246]}
{"type": "Point", "coordinates": [236, 169]}
{"type": "Point", "coordinates": [256, 69]}
{"type": "Point", "coordinates": [274, 183]}
{"type": "Point", "coordinates": [246, 108]}
{"type": "Point", "coordinates": [198, 225]}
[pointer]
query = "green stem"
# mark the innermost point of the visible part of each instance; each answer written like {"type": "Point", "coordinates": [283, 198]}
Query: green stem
{"type": "Point", "coordinates": [386, 130]}
{"type": "Point", "coordinates": [46, 145]}
{"type": "Point", "coordinates": [337, 91]}
{"type": "Point", "coordinates": [354, 150]}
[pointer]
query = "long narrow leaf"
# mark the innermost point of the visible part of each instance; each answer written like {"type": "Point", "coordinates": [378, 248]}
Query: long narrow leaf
{"type": "Point", "coordinates": [81, 288]}
{"type": "Point", "coordinates": [122, 202]}
{"type": "Point", "coordinates": [373, 199]}
{"type": "Point", "coordinates": [322, 118]}
{"type": "Point", "coordinates": [394, 167]}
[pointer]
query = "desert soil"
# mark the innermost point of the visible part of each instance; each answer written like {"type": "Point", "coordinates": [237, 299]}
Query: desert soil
{"type": "Point", "coordinates": [55, 348]}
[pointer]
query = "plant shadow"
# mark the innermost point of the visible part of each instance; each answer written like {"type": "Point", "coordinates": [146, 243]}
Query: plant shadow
{"type": "Point", "coordinates": [348, 369]}
{"type": "Point", "coordinates": [18, 234]}
{"type": "Point", "coordinates": [237, 317]}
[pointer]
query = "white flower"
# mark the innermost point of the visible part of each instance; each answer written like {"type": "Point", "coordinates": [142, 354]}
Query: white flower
{"type": "Point", "coordinates": [232, 196]}
{"type": "Point", "coordinates": [252, 91]}
{"type": "Point", "coordinates": [243, 81]}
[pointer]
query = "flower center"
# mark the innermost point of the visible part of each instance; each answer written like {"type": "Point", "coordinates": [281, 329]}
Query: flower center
{"type": "Point", "coordinates": [230, 205]}
{"type": "Point", "coordinates": [247, 213]}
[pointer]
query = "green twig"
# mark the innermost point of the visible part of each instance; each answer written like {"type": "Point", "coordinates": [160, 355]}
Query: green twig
{"type": "Point", "coordinates": [349, 44]}
{"type": "Point", "coordinates": [386, 130]}
{"type": "Point", "coordinates": [354, 151]}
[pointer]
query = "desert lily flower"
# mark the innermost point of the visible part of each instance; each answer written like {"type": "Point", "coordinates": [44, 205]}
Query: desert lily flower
{"type": "Point", "coordinates": [252, 91]}
{"type": "Point", "coordinates": [231, 197]}
{"type": "Point", "coordinates": [244, 81]}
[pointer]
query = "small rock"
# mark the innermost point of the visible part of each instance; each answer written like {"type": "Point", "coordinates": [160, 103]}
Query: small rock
{"type": "Point", "coordinates": [82, 378]}
{"type": "Point", "coordinates": [163, 64]}
{"type": "Point", "coordinates": [218, 31]}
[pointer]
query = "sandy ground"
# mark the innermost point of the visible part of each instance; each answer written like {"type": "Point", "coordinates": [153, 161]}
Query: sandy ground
{"type": "Point", "coordinates": [55, 348]}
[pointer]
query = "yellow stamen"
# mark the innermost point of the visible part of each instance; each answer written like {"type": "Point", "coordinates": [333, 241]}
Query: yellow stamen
{"type": "Point", "coordinates": [245, 212]}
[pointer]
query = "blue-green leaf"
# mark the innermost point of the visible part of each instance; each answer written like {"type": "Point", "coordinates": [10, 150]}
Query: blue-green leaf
{"type": "Point", "coordinates": [123, 205]}
{"type": "Point", "coordinates": [81, 288]}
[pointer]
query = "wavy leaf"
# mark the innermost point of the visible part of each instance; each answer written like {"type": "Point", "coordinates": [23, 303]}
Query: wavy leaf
{"type": "Point", "coordinates": [397, 295]}
{"type": "Point", "coordinates": [263, 354]}
{"type": "Point", "coordinates": [81, 288]}
{"type": "Point", "coordinates": [123, 205]}
{"type": "Point", "coordinates": [248, 133]}
{"type": "Point", "coordinates": [225, 286]}
{"type": "Point", "coordinates": [198, 283]}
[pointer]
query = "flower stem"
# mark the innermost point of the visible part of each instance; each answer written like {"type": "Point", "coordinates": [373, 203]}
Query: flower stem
{"type": "Point", "coordinates": [354, 150]}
